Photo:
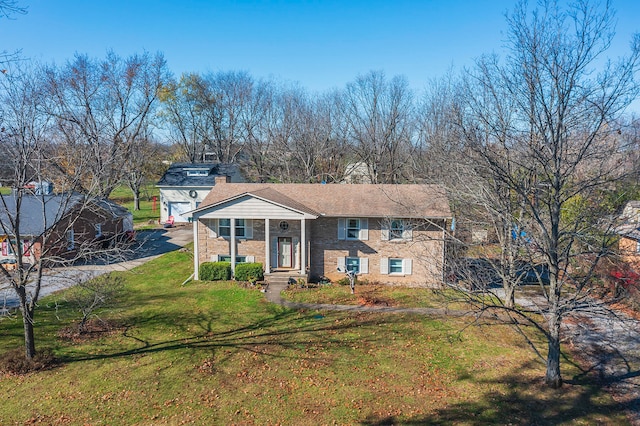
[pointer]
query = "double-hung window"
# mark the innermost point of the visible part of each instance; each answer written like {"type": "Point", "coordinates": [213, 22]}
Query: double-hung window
{"type": "Point", "coordinates": [396, 229]}
{"type": "Point", "coordinates": [395, 266]}
{"type": "Point", "coordinates": [353, 264]}
{"type": "Point", "coordinates": [224, 228]}
{"type": "Point", "coordinates": [357, 265]}
{"type": "Point", "coordinates": [353, 229]}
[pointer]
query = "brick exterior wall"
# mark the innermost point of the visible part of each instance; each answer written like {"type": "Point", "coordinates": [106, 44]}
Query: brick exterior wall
{"type": "Point", "coordinates": [425, 249]}
{"type": "Point", "coordinates": [628, 251]}
{"type": "Point", "coordinates": [84, 231]}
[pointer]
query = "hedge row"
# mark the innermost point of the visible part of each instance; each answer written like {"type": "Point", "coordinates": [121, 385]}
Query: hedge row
{"type": "Point", "coordinates": [221, 271]}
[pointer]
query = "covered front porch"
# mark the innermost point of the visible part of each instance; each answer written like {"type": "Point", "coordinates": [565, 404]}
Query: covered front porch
{"type": "Point", "coordinates": [253, 229]}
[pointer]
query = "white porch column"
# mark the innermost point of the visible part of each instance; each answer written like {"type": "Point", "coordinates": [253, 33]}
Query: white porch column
{"type": "Point", "coordinates": [233, 246]}
{"type": "Point", "coordinates": [303, 246]}
{"type": "Point", "coordinates": [267, 254]}
{"type": "Point", "coordinates": [196, 252]}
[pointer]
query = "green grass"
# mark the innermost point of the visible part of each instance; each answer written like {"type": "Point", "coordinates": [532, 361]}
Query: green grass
{"type": "Point", "coordinates": [379, 295]}
{"type": "Point", "coordinates": [215, 353]}
{"type": "Point", "coordinates": [146, 217]}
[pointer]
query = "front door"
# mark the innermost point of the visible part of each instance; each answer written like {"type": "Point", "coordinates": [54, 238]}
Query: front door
{"type": "Point", "coordinates": [285, 252]}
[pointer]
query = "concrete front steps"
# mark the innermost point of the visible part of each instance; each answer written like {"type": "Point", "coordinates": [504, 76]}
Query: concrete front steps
{"type": "Point", "coordinates": [278, 281]}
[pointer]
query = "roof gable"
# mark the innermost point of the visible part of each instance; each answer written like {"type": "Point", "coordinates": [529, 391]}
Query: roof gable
{"type": "Point", "coordinates": [252, 206]}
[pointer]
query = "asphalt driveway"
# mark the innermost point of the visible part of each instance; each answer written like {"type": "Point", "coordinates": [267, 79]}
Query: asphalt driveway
{"type": "Point", "coordinates": [149, 245]}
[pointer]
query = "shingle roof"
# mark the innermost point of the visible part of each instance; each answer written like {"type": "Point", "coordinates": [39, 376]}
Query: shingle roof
{"type": "Point", "coordinates": [629, 231]}
{"type": "Point", "coordinates": [344, 200]}
{"type": "Point", "coordinates": [176, 175]}
{"type": "Point", "coordinates": [40, 212]}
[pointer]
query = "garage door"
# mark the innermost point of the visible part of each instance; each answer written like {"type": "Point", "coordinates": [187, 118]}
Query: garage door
{"type": "Point", "coordinates": [176, 210]}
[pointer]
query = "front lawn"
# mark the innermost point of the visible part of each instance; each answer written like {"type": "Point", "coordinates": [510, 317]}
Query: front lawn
{"type": "Point", "coordinates": [216, 353]}
{"type": "Point", "coordinates": [375, 295]}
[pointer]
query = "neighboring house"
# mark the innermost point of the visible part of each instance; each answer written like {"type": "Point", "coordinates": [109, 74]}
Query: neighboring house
{"type": "Point", "coordinates": [629, 233]}
{"type": "Point", "coordinates": [184, 186]}
{"type": "Point", "coordinates": [359, 172]}
{"type": "Point", "coordinates": [631, 213]}
{"type": "Point", "coordinates": [384, 233]}
{"type": "Point", "coordinates": [67, 222]}
{"type": "Point", "coordinates": [629, 245]}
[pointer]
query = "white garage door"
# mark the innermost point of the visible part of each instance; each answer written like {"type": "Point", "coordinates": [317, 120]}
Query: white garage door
{"type": "Point", "coordinates": [176, 210]}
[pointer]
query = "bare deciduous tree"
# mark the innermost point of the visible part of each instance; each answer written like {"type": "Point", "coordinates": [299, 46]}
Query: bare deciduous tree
{"type": "Point", "coordinates": [542, 126]}
{"type": "Point", "coordinates": [39, 231]}
{"type": "Point", "coordinates": [380, 122]}
{"type": "Point", "coordinates": [102, 110]}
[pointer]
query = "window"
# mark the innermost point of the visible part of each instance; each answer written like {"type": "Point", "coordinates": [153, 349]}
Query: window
{"type": "Point", "coordinates": [7, 248]}
{"type": "Point", "coordinates": [198, 172]}
{"type": "Point", "coordinates": [353, 229]}
{"type": "Point", "coordinates": [395, 266]}
{"type": "Point", "coordinates": [353, 264]}
{"type": "Point", "coordinates": [224, 228]}
{"type": "Point", "coordinates": [637, 246]}
{"type": "Point", "coordinates": [225, 258]}
{"type": "Point", "coordinates": [396, 229]}
{"type": "Point", "coordinates": [98, 227]}
{"type": "Point", "coordinates": [358, 265]}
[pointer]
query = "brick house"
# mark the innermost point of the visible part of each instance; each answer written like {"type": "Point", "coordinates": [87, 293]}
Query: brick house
{"type": "Point", "coordinates": [390, 234]}
{"type": "Point", "coordinates": [57, 225]}
{"type": "Point", "coordinates": [629, 234]}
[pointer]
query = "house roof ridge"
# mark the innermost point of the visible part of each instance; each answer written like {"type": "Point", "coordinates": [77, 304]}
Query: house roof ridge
{"type": "Point", "coordinates": [344, 200]}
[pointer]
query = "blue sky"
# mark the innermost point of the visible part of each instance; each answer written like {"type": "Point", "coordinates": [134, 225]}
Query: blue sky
{"type": "Point", "coordinates": [320, 44]}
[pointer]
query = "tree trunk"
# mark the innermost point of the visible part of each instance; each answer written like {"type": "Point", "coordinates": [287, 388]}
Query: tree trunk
{"type": "Point", "coordinates": [27, 321]}
{"type": "Point", "coordinates": [553, 378]}
{"type": "Point", "coordinates": [509, 296]}
{"type": "Point", "coordinates": [136, 200]}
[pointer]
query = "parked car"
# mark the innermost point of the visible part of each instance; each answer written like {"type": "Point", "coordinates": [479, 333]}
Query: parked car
{"type": "Point", "coordinates": [534, 274]}
{"type": "Point", "coordinates": [474, 273]}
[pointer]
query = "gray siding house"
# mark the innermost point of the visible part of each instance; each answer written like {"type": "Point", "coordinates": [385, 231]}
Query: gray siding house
{"type": "Point", "coordinates": [184, 186]}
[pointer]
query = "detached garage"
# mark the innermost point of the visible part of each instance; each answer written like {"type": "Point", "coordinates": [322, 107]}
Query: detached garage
{"type": "Point", "coordinates": [184, 186]}
{"type": "Point", "coordinates": [177, 208]}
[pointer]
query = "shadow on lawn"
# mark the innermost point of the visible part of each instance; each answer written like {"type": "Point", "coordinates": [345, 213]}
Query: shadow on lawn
{"type": "Point", "coordinates": [507, 399]}
{"type": "Point", "coordinates": [522, 403]}
{"type": "Point", "coordinates": [285, 328]}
